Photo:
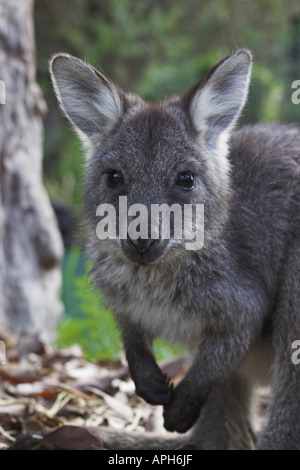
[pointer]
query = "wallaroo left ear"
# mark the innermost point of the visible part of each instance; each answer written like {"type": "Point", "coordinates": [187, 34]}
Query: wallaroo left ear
{"type": "Point", "coordinates": [216, 102]}
{"type": "Point", "coordinates": [89, 100]}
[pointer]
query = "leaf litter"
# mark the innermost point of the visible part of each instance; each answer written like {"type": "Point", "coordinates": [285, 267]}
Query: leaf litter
{"type": "Point", "coordinates": [56, 399]}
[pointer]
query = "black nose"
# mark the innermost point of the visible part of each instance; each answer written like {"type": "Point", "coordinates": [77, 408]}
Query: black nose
{"type": "Point", "coordinates": [141, 244]}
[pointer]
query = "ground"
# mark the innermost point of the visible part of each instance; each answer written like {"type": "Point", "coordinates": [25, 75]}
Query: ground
{"type": "Point", "coordinates": [55, 399]}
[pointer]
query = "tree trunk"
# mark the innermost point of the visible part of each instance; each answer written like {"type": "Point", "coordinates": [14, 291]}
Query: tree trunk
{"type": "Point", "coordinates": [30, 244]}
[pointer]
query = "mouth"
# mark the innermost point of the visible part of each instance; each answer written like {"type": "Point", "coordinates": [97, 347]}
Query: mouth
{"type": "Point", "coordinates": [142, 263]}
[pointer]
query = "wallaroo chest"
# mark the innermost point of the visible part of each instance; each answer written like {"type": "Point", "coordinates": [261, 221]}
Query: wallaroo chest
{"type": "Point", "coordinates": [160, 304]}
{"type": "Point", "coordinates": [178, 299]}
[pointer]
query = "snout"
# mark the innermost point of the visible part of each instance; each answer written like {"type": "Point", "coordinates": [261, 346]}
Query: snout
{"type": "Point", "coordinates": [143, 251]}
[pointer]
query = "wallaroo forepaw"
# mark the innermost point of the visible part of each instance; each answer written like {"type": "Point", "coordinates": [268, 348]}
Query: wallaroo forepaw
{"type": "Point", "coordinates": [184, 410]}
{"type": "Point", "coordinates": [181, 417]}
{"type": "Point", "coordinates": [155, 389]}
{"type": "Point", "coordinates": [194, 233]}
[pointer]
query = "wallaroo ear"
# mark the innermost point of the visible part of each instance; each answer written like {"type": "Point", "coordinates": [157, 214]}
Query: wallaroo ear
{"type": "Point", "coordinates": [89, 100]}
{"type": "Point", "coordinates": [216, 102]}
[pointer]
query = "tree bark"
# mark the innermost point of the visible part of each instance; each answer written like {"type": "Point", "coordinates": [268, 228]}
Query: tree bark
{"type": "Point", "coordinates": [30, 244]}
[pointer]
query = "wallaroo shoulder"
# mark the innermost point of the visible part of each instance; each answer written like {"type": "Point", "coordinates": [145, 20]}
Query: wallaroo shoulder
{"type": "Point", "coordinates": [274, 129]}
{"type": "Point", "coordinates": [279, 143]}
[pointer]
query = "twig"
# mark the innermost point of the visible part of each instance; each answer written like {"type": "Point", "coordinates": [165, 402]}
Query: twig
{"type": "Point", "coordinates": [6, 435]}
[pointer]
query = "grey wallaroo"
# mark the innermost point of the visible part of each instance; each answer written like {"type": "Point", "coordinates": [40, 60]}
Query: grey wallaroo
{"type": "Point", "coordinates": [235, 302]}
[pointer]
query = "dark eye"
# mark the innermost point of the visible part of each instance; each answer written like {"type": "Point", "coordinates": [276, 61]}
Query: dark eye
{"type": "Point", "coordinates": [114, 179]}
{"type": "Point", "coordinates": [185, 180]}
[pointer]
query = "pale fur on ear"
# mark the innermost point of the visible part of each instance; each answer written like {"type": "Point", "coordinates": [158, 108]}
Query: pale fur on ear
{"type": "Point", "coordinates": [219, 98]}
{"type": "Point", "coordinates": [88, 99]}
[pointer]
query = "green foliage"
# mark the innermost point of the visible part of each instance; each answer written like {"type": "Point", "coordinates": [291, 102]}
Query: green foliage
{"type": "Point", "coordinates": [163, 350]}
{"type": "Point", "coordinates": [87, 321]}
{"type": "Point", "coordinates": [64, 179]}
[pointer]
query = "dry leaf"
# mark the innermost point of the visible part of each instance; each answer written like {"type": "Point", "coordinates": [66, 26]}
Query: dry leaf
{"type": "Point", "coordinates": [72, 438]}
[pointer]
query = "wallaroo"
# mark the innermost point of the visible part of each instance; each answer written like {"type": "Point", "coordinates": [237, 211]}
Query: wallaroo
{"type": "Point", "coordinates": [235, 301]}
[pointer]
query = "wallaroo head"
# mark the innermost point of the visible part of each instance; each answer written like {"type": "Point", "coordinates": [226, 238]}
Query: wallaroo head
{"type": "Point", "coordinates": [157, 175]}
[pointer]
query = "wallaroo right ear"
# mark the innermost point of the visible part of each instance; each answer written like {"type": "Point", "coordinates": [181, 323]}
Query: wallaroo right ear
{"type": "Point", "coordinates": [88, 99]}
{"type": "Point", "coordinates": [216, 102]}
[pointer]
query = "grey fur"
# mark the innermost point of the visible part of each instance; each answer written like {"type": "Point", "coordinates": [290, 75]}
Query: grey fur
{"type": "Point", "coordinates": [236, 301]}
